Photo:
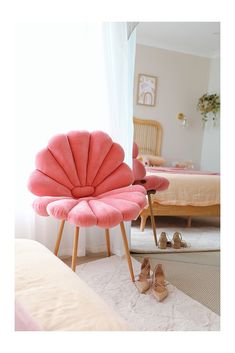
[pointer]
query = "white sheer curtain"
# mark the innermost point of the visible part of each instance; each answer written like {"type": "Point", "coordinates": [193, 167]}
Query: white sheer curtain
{"type": "Point", "coordinates": [69, 77]}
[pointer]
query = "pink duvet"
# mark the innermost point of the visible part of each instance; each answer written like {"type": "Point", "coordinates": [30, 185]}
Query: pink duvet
{"type": "Point", "coordinates": [23, 320]}
{"type": "Point", "coordinates": [178, 171]}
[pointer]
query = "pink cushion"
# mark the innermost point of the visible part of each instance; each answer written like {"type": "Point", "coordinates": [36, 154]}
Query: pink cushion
{"type": "Point", "coordinates": [151, 160]}
{"type": "Point", "coordinates": [81, 178]}
{"type": "Point", "coordinates": [79, 164]}
{"type": "Point", "coordinates": [23, 320]}
{"type": "Point", "coordinates": [106, 210]}
{"type": "Point", "coordinates": [138, 170]}
{"type": "Point", "coordinates": [137, 167]}
{"type": "Point", "coordinates": [150, 182]}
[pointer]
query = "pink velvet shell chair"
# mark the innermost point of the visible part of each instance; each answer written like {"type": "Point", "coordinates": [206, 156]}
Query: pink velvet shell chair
{"type": "Point", "coordinates": [81, 178]}
{"type": "Point", "coordinates": [151, 183]}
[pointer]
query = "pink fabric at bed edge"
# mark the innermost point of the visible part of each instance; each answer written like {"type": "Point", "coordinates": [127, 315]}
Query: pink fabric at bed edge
{"type": "Point", "coordinates": [23, 320]}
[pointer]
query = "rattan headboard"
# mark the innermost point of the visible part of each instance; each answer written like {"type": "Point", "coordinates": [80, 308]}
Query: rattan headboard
{"type": "Point", "coordinates": [148, 136]}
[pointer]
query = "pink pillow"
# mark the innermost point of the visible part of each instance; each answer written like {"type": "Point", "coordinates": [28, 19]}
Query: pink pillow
{"type": "Point", "coordinates": [23, 320]}
{"type": "Point", "coordinates": [151, 160]}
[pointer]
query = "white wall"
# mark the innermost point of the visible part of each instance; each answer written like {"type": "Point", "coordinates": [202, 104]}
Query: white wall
{"type": "Point", "coordinates": [210, 158]}
{"type": "Point", "coordinates": [182, 79]}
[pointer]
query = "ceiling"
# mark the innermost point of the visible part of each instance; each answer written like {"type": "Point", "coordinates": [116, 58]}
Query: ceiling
{"type": "Point", "coordinates": [197, 38]}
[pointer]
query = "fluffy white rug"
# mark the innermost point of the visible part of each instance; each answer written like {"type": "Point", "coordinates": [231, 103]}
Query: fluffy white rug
{"type": "Point", "coordinates": [198, 239]}
{"type": "Point", "coordinates": [109, 277]}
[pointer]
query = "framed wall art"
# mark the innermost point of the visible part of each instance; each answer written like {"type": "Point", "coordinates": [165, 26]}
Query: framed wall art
{"type": "Point", "coordinates": [146, 90]}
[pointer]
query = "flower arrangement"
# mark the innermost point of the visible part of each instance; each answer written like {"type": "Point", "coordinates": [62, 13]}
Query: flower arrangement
{"type": "Point", "coordinates": [209, 104]}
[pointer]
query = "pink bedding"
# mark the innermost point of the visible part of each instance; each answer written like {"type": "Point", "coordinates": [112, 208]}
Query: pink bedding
{"type": "Point", "coordinates": [178, 171]}
{"type": "Point", "coordinates": [23, 320]}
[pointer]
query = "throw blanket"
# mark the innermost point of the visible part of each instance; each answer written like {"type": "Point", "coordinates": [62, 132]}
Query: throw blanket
{"type": "Point", "coordinates": [187, 187]}
{"type": "Point", "coordinates": [55, 297]}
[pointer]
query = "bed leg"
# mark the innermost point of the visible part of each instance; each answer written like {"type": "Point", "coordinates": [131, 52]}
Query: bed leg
{"type": "Point", "coordinates": [152, 218]}
{"type": "Point", "coordinates": [143, 222]}
{"type": "Point", "coordinates": [189, 223]}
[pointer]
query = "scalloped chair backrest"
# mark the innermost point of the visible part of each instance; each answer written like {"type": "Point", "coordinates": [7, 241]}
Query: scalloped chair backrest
{"type": "Point", "coordinates": [138, 168]}
{"type": "Point", "coordinates": [80, 164]}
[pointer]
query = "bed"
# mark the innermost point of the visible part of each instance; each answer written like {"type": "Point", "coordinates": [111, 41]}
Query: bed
{"type": "Point", "coordinates": [51, 297]}
{"type": "Point", "coordinates": [191, 193]}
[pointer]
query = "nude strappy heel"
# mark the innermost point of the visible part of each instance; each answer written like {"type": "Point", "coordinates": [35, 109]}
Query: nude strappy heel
{"type": "Point", "coordinates": [176, 240]}
{"type": "Point", "coordinates": [158, 285]}
{"type": "Point", "coordinates": [162, 242]}
{"type": "Point", "coordinates": [142, 283]}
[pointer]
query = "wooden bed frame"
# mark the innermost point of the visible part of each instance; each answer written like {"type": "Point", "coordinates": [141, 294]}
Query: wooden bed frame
{"type": "Point", "coordinates": [148, 136]}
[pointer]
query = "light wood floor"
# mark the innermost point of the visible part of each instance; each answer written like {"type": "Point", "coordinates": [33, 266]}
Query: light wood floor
{"type": "Point", "coordinates": [83, 259]}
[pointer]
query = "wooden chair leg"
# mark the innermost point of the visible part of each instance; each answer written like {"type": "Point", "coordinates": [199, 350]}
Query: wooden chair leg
{"type": "Point", "coordinates": [108, 241]}
{"type": "Point", "coordinates": [75, 249]}
{"type": "Point", "coordinates": [152, 219]}
{"type": "Point", "coordinates": [143, 222]}
{"type": "Point", "coordinates": [126, 247]}
{"type": "Point", "coordinates": [59, 236]}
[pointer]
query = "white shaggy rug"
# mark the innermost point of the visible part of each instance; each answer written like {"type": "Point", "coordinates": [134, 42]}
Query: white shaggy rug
{"type": "Point", "coordinates": [110, 278]}
{"type": "Point", "coordinates": [198, 238]}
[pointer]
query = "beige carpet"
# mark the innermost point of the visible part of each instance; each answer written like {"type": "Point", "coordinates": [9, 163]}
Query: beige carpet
{"type": "Point", "coordinates": [110, 278]}
{"type": "Point", "coordinates": [203, 235]}
{"type": "Point", "coordinates": [196, 274]}
{"type": "Point", "coordinates": [196, 270]}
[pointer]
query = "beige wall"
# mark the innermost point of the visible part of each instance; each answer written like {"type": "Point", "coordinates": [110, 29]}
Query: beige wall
{"type": "Point", "coordinates": [210, 158]}
{"type": "Point", "coordinates": [182, 79]}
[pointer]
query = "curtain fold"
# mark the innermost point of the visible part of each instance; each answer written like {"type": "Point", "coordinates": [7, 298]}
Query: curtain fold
{"type": "Point", "coordinates": [69, 77]}
{"type": "Point", "coordinates": [130, 28]}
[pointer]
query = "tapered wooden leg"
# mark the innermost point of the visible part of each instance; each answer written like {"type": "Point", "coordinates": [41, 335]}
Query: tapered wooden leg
{"type": "Point", "coordinates": [143, 222]}
{"type": "Point", "coordinates": [75, 248]}
{"type": "Point", "coordinates": [152, 219]}
{"type": "Point", "coordinates": [189, 221]}
{"type": "Point", "coordinates": [126, 247]}
{"type": "Point", "coordinates": [108, 241]}
{"type": "Point", "coordinates": [59, 236]}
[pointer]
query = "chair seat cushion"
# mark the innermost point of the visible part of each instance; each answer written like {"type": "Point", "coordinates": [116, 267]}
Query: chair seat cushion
{"type": "Point", "coordinates": [106, 210]}
{"type": "Point", "coordinates": [153, 182]}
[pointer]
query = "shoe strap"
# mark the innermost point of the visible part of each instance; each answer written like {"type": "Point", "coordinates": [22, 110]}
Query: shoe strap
{"type": "Point", "coordinates": [156, 284]}
{"type": "Point", "coordinates": [163, 236]}
{"type": "Point", "coordinates": [144, 272]}
{"type": "Point", "coordinates": [142, 277]}
{"type": "Point", "coordinates": [177, 234]}
{"type": "Point", "coordinates": [184, 244]}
